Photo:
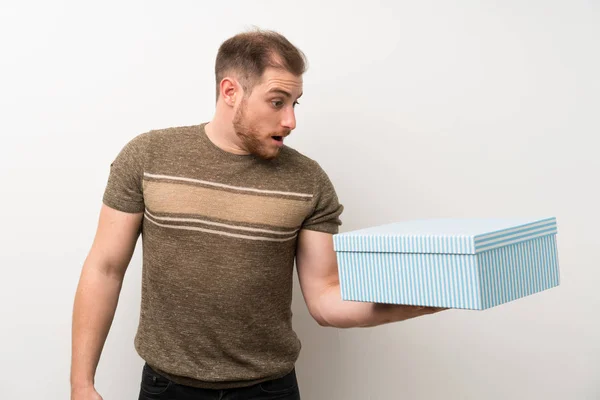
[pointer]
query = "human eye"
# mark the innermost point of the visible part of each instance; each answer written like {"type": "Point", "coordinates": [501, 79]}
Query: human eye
{"type": "Point", "coordinates": [277, 103]}
{"type": "Point", "coordinates": [296, 103]}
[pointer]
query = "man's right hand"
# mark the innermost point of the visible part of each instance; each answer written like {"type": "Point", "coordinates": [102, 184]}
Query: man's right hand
{"type": "Point", "coordinates": [85, 393]}
{"type": "Point", "coordinates": [98, 294]}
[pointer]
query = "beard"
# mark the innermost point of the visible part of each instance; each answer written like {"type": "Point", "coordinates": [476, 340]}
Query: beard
{"type": "Point", "coordinates": [247, 131]}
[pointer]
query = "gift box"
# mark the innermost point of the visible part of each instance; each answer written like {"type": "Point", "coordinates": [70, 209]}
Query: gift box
{"type": "Point", "coordinates": [453, 263]}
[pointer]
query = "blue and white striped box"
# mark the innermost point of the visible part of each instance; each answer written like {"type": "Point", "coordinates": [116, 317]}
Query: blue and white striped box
{"type": "Point", "coordinates": [453, 263]}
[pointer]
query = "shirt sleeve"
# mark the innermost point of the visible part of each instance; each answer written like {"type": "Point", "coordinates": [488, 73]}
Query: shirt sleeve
{"type": "Point", "coordinates": [124, 191]}
{"type": "Point", "coordinates": [327, 209]}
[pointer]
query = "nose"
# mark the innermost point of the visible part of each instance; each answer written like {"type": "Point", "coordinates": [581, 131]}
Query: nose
{"type": "Point", "coordinates": [289, 119]}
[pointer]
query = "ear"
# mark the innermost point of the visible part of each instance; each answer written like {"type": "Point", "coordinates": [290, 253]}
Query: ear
{"type": "Point", "coordinates": [230, 90]}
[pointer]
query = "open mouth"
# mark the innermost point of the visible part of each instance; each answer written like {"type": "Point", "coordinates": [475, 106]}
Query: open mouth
{"type": "Point", "coordinates": [278, 138]}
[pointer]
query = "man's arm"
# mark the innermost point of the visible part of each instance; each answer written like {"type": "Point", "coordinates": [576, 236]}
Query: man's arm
{"type": "Point", "coordinates": [319, 280]}
{"type": "Point", "coordinates": [98, 292]}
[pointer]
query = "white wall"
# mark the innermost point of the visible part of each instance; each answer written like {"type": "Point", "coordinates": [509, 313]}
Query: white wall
{"type": "Point", "coordinates": [415, 109]}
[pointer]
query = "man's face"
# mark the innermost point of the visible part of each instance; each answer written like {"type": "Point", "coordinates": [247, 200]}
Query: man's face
{"type": "Point", "coordinates": [265, 117]}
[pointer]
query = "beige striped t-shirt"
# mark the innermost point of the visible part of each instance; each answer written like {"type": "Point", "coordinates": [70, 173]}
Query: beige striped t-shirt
{"type": "Point", "coordinates": [219, 239]}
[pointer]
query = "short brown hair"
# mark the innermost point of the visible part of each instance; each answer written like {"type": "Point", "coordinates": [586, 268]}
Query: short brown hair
{"type": "Point", "coordinates": [248, 54]}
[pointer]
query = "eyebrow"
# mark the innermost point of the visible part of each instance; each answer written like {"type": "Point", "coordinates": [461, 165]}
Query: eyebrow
{"type": "Point", "coordinates": [282, 92]}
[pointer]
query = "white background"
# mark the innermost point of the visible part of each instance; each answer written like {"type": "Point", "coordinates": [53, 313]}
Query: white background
{"type": "Point", "coordinates": [415, 109]}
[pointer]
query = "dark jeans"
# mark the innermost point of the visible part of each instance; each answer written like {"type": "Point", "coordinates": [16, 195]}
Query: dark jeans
{"type": "Point", "coordinates": [157, 387]}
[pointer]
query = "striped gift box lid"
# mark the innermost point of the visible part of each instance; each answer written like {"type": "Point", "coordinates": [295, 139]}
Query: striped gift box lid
{"type": "Point", "coordinates": [444, 236]}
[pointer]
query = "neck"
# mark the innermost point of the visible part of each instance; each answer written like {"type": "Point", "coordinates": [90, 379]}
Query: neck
{"type": "Point", "coordinates": [220, 131]}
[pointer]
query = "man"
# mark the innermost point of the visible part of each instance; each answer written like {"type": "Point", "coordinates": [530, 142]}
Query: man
{"type": "Point", "coordinates": [224, 208]}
